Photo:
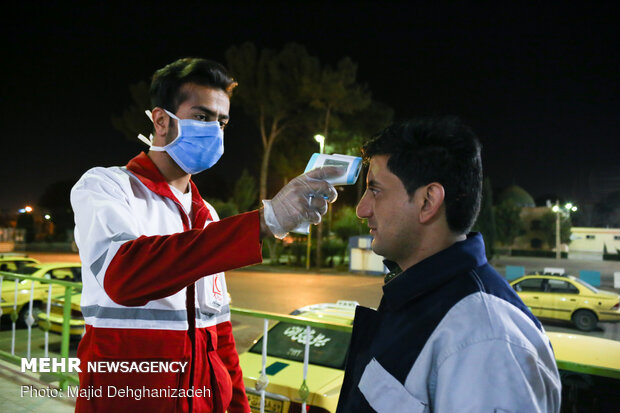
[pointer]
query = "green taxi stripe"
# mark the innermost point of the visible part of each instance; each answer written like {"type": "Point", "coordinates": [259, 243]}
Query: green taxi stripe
{"type": "Point", "coordinates": [594, 370]}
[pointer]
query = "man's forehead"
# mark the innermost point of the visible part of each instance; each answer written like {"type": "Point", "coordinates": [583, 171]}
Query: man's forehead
{"type": "Point", "coordinates": [378, 167]}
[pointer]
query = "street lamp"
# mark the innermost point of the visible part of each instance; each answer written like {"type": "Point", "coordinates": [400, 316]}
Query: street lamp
{"type": "Point", "coordinates": [568, 208]}
{"type": "Point", "coordinates": [321, 140]}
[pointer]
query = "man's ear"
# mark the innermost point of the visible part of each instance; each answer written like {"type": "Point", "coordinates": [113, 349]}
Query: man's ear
{"type": "Point", "coordinates": [433, 196]}
{"type": "Point", "coordinates": [161, 122]}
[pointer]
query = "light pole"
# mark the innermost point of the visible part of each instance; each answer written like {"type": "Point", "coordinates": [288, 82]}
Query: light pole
{"type": "Point", "coordinates": [321, 141]}
{"type": "Point", "coordinates": [568, 208]}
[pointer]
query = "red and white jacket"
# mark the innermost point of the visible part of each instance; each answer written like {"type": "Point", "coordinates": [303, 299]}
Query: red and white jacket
{"type": "Point", "coordinates": [154, 290]}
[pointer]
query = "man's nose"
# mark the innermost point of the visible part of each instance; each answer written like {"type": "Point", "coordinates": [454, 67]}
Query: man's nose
{"type": "Point", "coordinates": [363, 207]}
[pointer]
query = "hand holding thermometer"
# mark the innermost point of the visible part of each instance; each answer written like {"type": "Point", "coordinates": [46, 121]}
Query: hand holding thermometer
{"type": "Point", "coordinates": [351, 165]}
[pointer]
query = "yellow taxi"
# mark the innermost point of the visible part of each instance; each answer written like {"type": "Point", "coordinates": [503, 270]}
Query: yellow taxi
{"type": "Point", "coordinates": [567, 298]}
{"type": "Point", "coordinates": [590, 372]}
{"type": "Point", "coordinates": [53, 322]}
{"type": "Point", "coordinates": [285, 355]}
{"type": "Point", "coordinates": [12, 262]}
{"type": "Point", "coordinates": [589, 366]}
{"type": "Point", "coordinates": [67, 271]}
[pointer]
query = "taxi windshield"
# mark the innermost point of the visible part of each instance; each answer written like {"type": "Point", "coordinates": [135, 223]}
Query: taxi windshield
{"type": "Point", "coordinates": [328, 348]}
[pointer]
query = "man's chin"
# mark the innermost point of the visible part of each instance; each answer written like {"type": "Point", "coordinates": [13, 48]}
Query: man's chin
{"type": "Point", "coordinates": [376, 248]}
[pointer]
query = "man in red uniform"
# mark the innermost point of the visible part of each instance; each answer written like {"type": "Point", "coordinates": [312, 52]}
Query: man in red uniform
{"type": "Point", "coordinates": [153, 252]}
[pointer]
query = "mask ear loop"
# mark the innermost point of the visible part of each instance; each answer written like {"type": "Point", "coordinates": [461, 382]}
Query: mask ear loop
{"type": "Point", "coordinates": [149, 140]}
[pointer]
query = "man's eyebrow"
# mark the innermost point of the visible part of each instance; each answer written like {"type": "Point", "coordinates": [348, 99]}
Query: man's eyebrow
{"type": "Point", "coordinates": [372, 182]}
{"type": "Point", "coordinates": [209, 112]}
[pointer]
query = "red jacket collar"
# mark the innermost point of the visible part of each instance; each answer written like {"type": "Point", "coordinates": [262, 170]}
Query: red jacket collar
{"type": "Point", "coordinates": [145, 170]}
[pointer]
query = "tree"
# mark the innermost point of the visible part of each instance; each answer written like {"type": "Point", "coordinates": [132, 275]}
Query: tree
{"type": "Point", "coordinates": [133, 120]}
{"type": "Point", "coordinates": [269, 91]}
{"type": "Point", "coordinates": [350, 131]}
{"type": "Point", "coordinates": [508, 222]}
{"type": "Point", "coordinates": [347, 224]}
{"type": "Point", "coordinates": [244, 192]}
{"type": "Point", "coordinates": [335, 92]}
{"type": "Point", "coordinates": [224, 209]}
{"type": "Point", "coordinates": [548, 228]}
{"type": "Point", "coordinates": [485, 223]}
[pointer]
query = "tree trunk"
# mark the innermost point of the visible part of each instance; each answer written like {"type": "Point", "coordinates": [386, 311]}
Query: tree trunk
{"type": "Point", "coordinates": [267, 146]}
{"type": "Point", "coordinates": [264, 170]}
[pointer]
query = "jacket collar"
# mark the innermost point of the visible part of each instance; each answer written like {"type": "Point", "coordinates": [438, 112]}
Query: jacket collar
{"type": "Point", "coordinates": [146, 171]}
{"type": "Point", "coordinates": [435, 271]}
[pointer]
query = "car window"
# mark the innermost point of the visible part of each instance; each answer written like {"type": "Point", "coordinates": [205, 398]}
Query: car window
{"type": "Point", "coordinates": [62, 274]}
{"type": "Point", "coordinates": [559, 286]}
{"type": "Point", "coordinates": [8, 266]}
{"type": "Point", "coordinates": [15, 266]}
{"type": "Point", "coordinates": [585, 284]}
{"type": "Point", "coordinates": [327, 347]}
{"type": "Point", "coordinates": [531, 284]}
{"type": "Point", "coordinates": [589, 392]}
{"type": "Point", "coordinates": [26, 269]}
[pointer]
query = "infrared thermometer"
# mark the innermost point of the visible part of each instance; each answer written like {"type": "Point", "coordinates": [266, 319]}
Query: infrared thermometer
{"type": "Point", "coordinates": [352, 165]}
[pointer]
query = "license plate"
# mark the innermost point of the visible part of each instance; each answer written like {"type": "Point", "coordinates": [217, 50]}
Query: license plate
{"type": "Point", "coordinates": [271, 405]}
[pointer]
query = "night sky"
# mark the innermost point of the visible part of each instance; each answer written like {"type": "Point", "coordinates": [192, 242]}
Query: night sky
{"type": "Point", "coordinates": [539, 84]}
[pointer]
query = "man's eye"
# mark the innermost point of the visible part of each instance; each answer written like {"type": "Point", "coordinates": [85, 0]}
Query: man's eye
{"type": "Point", "coordinates": [223, 124]}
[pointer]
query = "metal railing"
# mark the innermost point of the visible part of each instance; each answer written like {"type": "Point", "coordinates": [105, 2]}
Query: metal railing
{"type": "Point", "coordinates": [69, 288]}
{"type": "Point", "coordinates": [263, 381]}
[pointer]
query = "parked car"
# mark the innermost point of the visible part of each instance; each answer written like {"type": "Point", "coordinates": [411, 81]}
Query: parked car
{"type": "Point", "coordinates": [54, 271]}
{"type": "Point", "coordinates": [285, 349]}
{"type": "Point", "coordinates": [54, 322]}
{"type": "Point", "coordinates": [589, 366]}
{"type": "Point", "coordinates": [12, 262]}
{"type": "Point", "coordinates": [564, 297]}
{"type": "Point", "coordinates": [589, 370]}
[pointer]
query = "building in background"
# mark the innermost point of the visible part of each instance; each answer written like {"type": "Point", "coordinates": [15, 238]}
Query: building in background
{"type": "Point", "coordinates": [594, 243]}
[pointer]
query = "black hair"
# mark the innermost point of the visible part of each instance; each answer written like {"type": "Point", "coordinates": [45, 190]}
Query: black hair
{"type": "Point", "coordinates": [443, 150]}
{"type": "Point", "coordinates": [168, 81]}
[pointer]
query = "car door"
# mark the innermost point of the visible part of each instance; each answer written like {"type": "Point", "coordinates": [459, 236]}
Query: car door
{"type": "Point", "coordinates": [564, 299]}
{"type": "Point", "coordinates": [530, 291]}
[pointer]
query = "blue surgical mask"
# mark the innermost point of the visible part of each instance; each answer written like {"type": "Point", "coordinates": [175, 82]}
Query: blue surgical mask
{"type": "Point", "coordinates": [197, 147]}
